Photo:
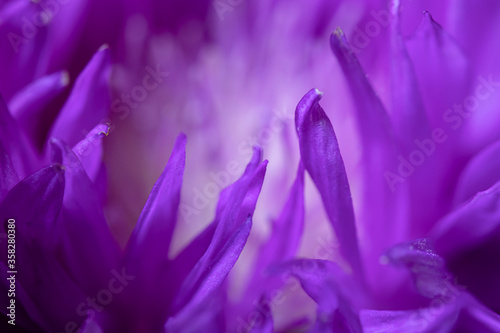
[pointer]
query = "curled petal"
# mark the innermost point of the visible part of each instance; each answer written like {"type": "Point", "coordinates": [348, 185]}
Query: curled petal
{"type": "Point", "coordinates": [321, 157]}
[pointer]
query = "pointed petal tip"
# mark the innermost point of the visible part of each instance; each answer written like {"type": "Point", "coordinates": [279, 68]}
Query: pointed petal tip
{"type": "Point", "coordinates": [180, 143]}
{"type": "Point", "coordinates": [305, 105]}
{"type": "Point", "coordinates": [338, 36]}
{"type": "Point", "coordinates": [182, 137]}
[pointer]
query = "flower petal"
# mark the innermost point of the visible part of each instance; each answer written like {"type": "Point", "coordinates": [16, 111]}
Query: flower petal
{"type": "Point", "coordinates": [153, 233]}
{"type": "Point", "coordinates": [251, 180]}
{"type": "Point", "coordinates": [146, 255]}
{"type": "Point", "coordinates": [35, 204]}
{"type": "Point", "coordinates": [441, 67]}
{"type": "Point", "coordinates": [88, 103]}
{"type": "Point", "coordinates": [451, 309]}
{"type": "Point", "coordinates": [23, 57]}
{"type": "Point", "coordinates": [282, 245]}
{"type": "Point", "coordinates": [326, 284]}
{"type": "Point", "coordinates": [90, 326]}
{"type": "Point", "coordinates": [287, 228]}
{"type": "Point", "coordinates": [8, 174]}
{"type": "Point", "coordinates": [27, 105]}
{"type": "Point", "coordinates": [469, 239]}
{"type": "Point", "coordinates": [89, 150]}
{"type": "Point", "coordinates": [427, 268]}
{"type": "Point", "coordinates": [216, 272]}
{"type": "Point", "coordinates": [480, 174]}
{"type": "Point", "coordinates": [20, 152]}
{"type": "Point", "coordinates": [407, 107]}
{"type": "Point", "coordinates": [236, 200]}
{"type": "Point", "coordinates": [384, 199]}
{"type": "Point", "coordinates": [411, 122]}
{"type": "Point", "coordinates": [321, 157]}
{"type": "Point", "coordinates": [461, 315]}
{"type": "Point", "coordinates": [82, 222]}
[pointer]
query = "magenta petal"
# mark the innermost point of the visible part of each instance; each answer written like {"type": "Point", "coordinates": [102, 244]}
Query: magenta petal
{"type": "Point", "coordinates": [427, 268]}
{"type": "Point", "coordinates": [35, 204]}
{"type": "Point", "coordinates": [216, 272]}
{"type": "Point", "coordinates": [333, 291]}
{"type": "Point", "coordinates": [42, 192]}
{"type": "Point", "coordinates": [189, 256]}
{"type": "Point", "coordinates": [287, 228]}
{"type": "Point", "coordinates": [251, 182]}
{"type": "Point", "coordinates": [421, 321]}
{"type": "Point", "coordinates": [408, 112]}
{"type": "Point", "coordinates": [89, 150]}
{"type": "Point", "coordinates": [88, 103]}
{"type": "Point", "coordinates": [8, 174]}
{"type": "Point", "coordinates": [205, 317]}
{"type": "Point", "coordinates": [282, 245]}
{"type": "Point", "coordinates": [462, 314]}
{"type": "Point", "coordinates": [146, 255]}
{"type": "Point", "coordinates": [441, 68]}
{"type": "Point", "coordinates": [27, 105]}
{"type": "Point", "coordinates": [476, 317]}
{"type": "Point", "coordinates": [153, 232]}
{"type": "Point", "coordinates": [21, 153]}
{"type": "Point", "coordinates": [321, 157]}
{"type": "Point", "coordinates": [372, 117]}
{"type": "Point", "coordinates": [82, 223]}
{"type": "Point", "coordinates": [22, 59]}
{"type": "Point", "coordinates": [447, 312]}
{"type": "Point", "coordinates": [469, 240]}
{"type": "Point", "coordinates": [90, 326]}
{"type": "Point", "coordinates": [480, 174]}
{"type": "Point", "coordinates": [469, 225]}
{"type": "Point", "coordinates": [236, 200]}
{"type": "Point", "coordinates": [384, 198]}
{"type": "Point", "coordinates": [411, 122]}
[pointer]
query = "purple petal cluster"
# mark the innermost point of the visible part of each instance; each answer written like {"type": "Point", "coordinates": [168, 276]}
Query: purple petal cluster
{"type": "Point", "coordinates": [162, 170]}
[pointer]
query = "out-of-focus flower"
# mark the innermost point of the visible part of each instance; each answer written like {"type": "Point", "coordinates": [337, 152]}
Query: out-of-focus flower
{"type": "Point", "coordinates": [409, 178]}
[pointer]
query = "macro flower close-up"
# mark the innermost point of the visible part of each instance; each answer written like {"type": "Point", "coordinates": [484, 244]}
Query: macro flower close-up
{"type": "Point", "coordinates": [249, 166]}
